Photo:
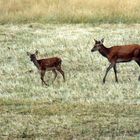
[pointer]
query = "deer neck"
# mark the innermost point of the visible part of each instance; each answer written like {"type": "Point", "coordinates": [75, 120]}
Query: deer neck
{"type": "Point", "coordinates": [36, 63]}
{"type": "Point", "coordinates": [104, 51]}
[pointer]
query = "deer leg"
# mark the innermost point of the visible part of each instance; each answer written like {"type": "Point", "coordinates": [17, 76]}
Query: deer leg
{"type": "Point", "coordinates": [42, 73]}
{"type": "Point", "coordinates": [107, 70]}
{"type": "Point", "coordinates": [138, 62]}
{"type": "Point", "coordinates": [115, 71]}
{"type": "Point", "coordinates": [61, 71]}
{"type": "Point", "coordinates": [55, 74]}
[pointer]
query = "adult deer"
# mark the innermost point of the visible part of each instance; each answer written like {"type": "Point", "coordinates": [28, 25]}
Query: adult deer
{"type": "Point", "coordinates": [117, 54]}
{"type": "Point", "coordinates": [48, 64]}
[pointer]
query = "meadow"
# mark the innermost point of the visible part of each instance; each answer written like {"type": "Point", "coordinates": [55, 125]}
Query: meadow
{"type": "Point", "coordinates": [80, 108]}
{"type": "Point", "coordinates": [70, 11]}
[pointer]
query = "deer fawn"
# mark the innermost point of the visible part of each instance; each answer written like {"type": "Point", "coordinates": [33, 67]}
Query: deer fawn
{"type": "Point", "coordinates": [48, 64]}
{"type": "Point", "coordinates": [117, 54]}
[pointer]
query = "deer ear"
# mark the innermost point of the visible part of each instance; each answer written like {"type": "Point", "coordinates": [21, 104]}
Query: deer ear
{"type": "Point", "coordinates": [28, 53]}
{"type": "Point", "coordinates": [102, 40]}
{"type": "Point", "coordinates": [36, 52]}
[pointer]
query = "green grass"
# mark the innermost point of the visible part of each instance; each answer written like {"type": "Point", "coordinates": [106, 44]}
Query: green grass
{"type": "Point", "coordinates": [80, 108]}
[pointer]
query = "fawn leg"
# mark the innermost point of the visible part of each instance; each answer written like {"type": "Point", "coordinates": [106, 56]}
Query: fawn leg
{"type": "Point", "coordinates": [42, 73]}
{"type": "Point", "coordinates": [55, 74]}
{"type": "Point", "coordinates": [61, 71]}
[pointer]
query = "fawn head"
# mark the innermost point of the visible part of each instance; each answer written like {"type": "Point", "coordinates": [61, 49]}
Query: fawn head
{"type": "Point", "coordinates": [32, 55]}
{"type": "Point", "coordinates": [97, 45]}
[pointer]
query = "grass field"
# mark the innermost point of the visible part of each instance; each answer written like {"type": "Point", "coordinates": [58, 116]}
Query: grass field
{"type": "Point", "coordinates": [80, 108]}
{"type": "Point", "coordinates": [69, 11]}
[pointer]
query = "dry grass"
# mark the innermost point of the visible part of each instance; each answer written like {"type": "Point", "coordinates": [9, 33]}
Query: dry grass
{"type": "Point", "coordinates": [70, 11]}
{"type": "Point", "coordinates": [82, 108]}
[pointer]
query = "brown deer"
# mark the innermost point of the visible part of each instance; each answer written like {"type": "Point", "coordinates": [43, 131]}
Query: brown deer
{"type": "Point", "coordinates": [48, 64]}
{"type": "Point", "coordinates": [117, 54]}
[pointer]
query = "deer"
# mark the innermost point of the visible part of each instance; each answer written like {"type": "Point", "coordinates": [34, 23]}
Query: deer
{"type": "Point", "coordinates": [117, 54]}
{"type": "Point", "coordinates": [47, 64]}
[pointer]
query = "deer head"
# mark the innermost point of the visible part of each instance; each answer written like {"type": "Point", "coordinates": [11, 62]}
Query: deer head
{"type": "Point", "coordinates": [97, 45]}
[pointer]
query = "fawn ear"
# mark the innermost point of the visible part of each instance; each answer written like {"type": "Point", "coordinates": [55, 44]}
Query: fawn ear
{"type": "Point", "coordinates": [102, 40]}
{"type": "Point", "coordinates": [36, 52]}
{"type": "Point", "coordinates": [95, 40]}
{"type": "Point", "coordinates": [28, 53]}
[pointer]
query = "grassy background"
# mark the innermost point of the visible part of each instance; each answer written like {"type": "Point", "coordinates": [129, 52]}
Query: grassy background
{"type": "Point", "coordinates": [70, 11]}
{"type": "Point", "coordinates": [80, 108]}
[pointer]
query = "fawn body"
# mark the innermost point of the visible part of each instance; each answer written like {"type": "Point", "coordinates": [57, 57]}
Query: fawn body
{"type": "Point", "coordinates": [117, 54]}
{"type": "Point", "coordinates": [48, 64]}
